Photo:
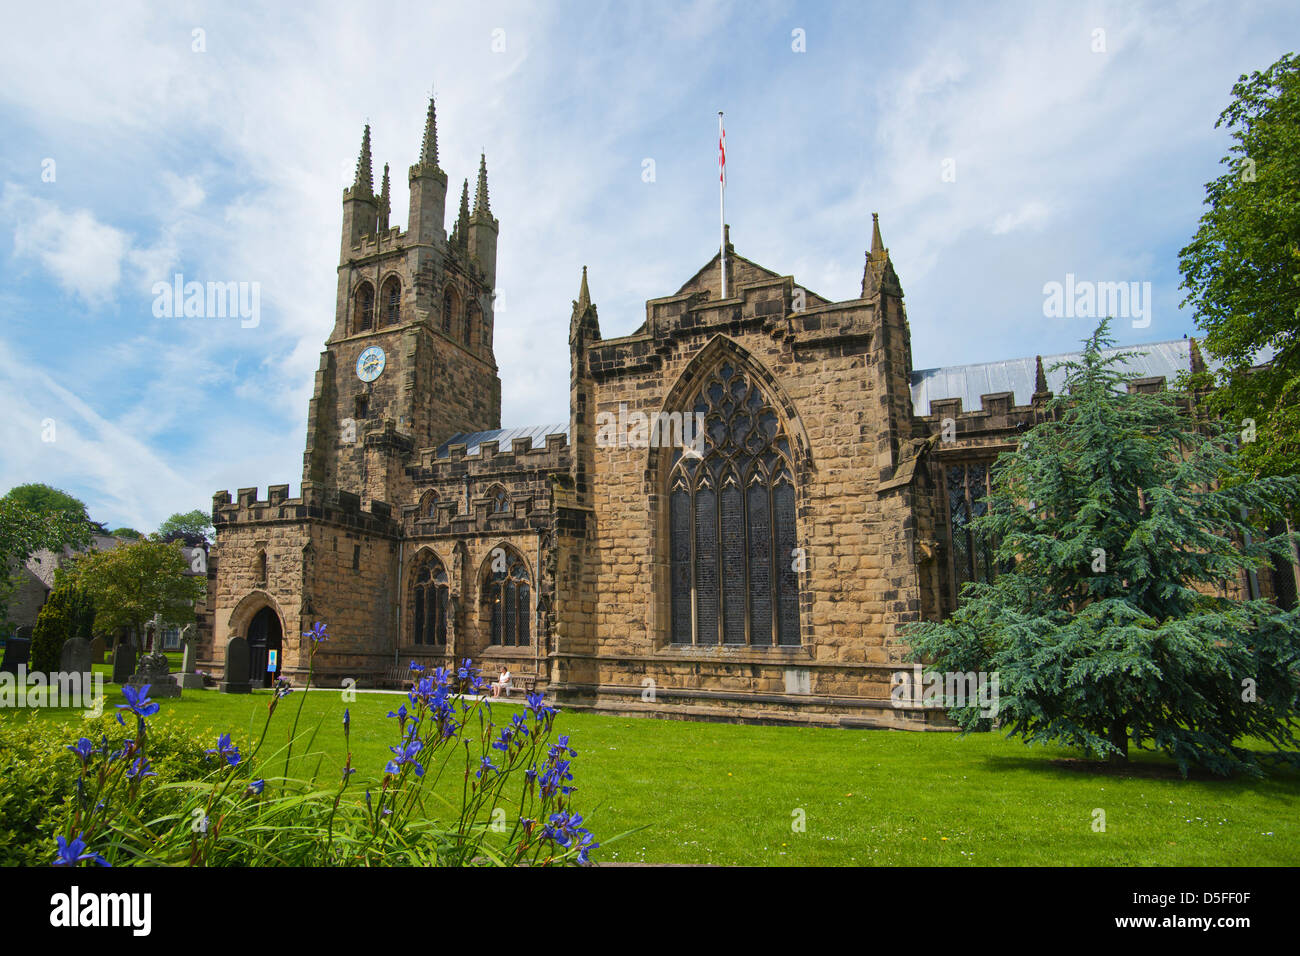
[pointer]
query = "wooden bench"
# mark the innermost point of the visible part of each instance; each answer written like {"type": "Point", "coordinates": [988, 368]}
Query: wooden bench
{"type": "Point", "coordinates": [397, 675]}
{"type": "Point", "coordinates": [518, 682]}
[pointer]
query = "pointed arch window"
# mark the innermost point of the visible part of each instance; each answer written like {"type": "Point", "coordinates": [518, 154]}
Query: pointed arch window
{"type": "Point", "coordinates": [731, 521]}
{"type": "Point", "coordinates": [973, 557]}
{"type": "Point", "coordinates": [449, 302]}
{"type": "Point", "coordinates": [391, 300]}
{"type": "Point", "coordinates": [432, 591]}
{"type": "Point", "coordinates": [363, 312]}
{"type": "Point", "coordinates": [499, 501]}
{"type": "Point", "coordinates": [471, 322]}
{"type": "Point", "coordinates": [509, 594]}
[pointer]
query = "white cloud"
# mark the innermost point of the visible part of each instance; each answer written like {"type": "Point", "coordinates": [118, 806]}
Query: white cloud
{"type": "Point", "coordinates": [81, 253]}
{"type": "Point", "coordinates": [1032, 214]}
{"type": "Point", "coordinates": [117, 474]}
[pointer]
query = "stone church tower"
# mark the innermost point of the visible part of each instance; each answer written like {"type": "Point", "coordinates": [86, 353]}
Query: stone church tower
{"type": "Point", "coordinates": [421, 305]}
{"type": "Point", "coordinates": [407, 365]}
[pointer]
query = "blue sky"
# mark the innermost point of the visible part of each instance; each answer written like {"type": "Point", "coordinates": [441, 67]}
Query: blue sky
{"type": "Point", "coordinates": [228, 165]}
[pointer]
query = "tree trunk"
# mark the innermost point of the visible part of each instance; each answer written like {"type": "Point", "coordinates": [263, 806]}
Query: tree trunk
{"type": "Point", "coordinates": [1119, 739]}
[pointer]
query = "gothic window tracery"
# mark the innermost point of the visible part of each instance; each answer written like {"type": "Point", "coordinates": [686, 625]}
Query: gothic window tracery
{"type": "Point", "coordinates": [432, 589]}
{"type": "Point", "coordinates": [508, 594]}
{"type": "Point", "coordinates": [972, 556]}
{"type": "Point", "coordinates": [731, 516]}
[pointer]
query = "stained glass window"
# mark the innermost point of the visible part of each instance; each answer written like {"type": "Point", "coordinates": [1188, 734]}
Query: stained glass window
{"type": "Point", "coordinates": [431, 594]}
{"type": "Point", "coordinates": [508, 593]}
{"type": "Point", "coordinates": [731, 522]}
{"type": "Point", "coordinates": [972, 556]}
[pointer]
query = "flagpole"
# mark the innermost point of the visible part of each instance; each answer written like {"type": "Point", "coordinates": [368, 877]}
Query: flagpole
{"type": "Point", "coordinates": [722, 200]}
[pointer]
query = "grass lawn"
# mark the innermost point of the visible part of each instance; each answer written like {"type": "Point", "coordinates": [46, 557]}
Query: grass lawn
{"type": "Point", "coordinates": [728, 794]}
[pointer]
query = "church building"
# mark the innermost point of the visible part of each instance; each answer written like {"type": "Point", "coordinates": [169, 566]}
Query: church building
{"type": "Point", "coordinates": [753, 494]}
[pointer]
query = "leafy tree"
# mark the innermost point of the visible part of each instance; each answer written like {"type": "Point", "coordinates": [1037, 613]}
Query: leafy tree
{"type": "Point", "coordinates": [45, 500]}
{"type": "Point", "coordinates": [67, 613]}
{"type": "Point", "coordinates": [131, 583]}
{"type": "Point", "coordinates": [1242, 268]}
{"type": "Point", "coordinates": [24, 531]}
{"type": "Point", "coordinates": [1109, 626]}
{"type": "Point", "coordinates": [126, 533]}
{"type": "Point", "coordinates": [193, 527]}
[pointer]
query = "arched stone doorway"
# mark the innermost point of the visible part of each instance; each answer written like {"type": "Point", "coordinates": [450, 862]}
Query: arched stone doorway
{"type": "Point", "coordinates": [265, 635]}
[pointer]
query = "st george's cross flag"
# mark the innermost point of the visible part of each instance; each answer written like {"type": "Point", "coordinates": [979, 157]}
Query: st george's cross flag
{"type": "Point", "coordinates": [722, 202]}
{"type": "Point", "coordinates": [722, 152]}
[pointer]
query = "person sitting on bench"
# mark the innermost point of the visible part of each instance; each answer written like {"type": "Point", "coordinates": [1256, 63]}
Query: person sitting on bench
{"type": "Point", "coordinates": [502, 683]}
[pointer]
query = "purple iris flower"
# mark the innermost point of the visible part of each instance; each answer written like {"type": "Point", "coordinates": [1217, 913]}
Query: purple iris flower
{"type": "Point", "coordinates": [83, 748]}
{"type": "Point", "coordinates": [228, 751]}
{"type": "Point", "coordinates": [317, 633]}
{"type": "Point", "coordinates": [137, 702]}
{"type": "Point", "coordinates": [585, 846]}
{"type": "Point", "coordinates": [140, 769]}
{"type": "Point", "coordinates": [70, 854]}
{"type": "Point", "coordinates": [405, 754]}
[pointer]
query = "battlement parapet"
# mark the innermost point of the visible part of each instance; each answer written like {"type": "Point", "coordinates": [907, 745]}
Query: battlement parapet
{"type": "Point", "coordinates": [457, 462]}
{"type": "Point", "coordinates": [316, 502]}
{"type": "Point", "coordinates": [392, 239]}
{"type": "Point", "coordinates": [777, 306]}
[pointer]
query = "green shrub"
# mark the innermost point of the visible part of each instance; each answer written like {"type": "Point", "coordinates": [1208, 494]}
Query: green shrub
{"type": "Point", "coordinates": [39, 775]}
{"type": "Point", "coordinates": [53, 627]}
{"type": "Point", "coordinates": [69, 612]}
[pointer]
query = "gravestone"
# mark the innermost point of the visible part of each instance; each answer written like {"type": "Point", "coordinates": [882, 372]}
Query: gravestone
{"type": "Point", "coordinates": [123, 662]}
{"type": "Point", "coordinates": [156, 672]}
{"type": "Point", "coordinates": [17, 652]}
{"type": "Point", "coordinates": [189, 640]}
{"type": "Point", "coordinates": [237, 664]}
{"type": "Point", "coordinates": [97, 651]}
{"type": "Point", "coordinates": [75, 656]}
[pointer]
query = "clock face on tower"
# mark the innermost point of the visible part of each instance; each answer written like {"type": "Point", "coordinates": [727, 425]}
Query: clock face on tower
{"type": "Point", "coordinates": [370, 364]}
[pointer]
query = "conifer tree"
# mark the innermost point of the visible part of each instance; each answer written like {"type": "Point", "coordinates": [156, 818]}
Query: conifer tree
{"type": "Point", "coordinates": [1118, 521]}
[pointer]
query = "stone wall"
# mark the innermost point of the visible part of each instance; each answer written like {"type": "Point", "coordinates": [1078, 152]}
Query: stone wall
{"type": "Point", "coordinates": [326, 559]}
